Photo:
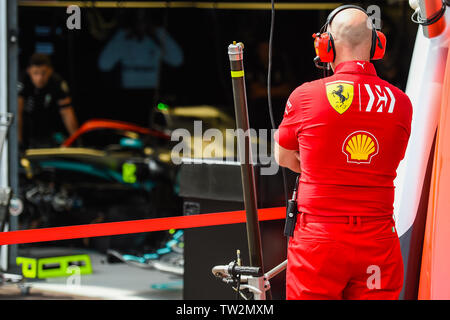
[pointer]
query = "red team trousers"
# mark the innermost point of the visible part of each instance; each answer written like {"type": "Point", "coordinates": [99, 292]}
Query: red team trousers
{"type": "Point", "coordinates": [344, 258]}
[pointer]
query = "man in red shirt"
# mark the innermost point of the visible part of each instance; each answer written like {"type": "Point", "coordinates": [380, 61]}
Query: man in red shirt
{"type": "Point", "coordinates": [346, 134]}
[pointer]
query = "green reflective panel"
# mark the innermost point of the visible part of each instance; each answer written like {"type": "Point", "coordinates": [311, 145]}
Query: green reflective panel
{"type": "Point", "coordinates": [61, 266]}
{"type": "Point", "coordinates": [55, 266]}
{"type": "Point", "coordinates": [29, 266]}
{"type": "Point", "coordinates": [129, 172]}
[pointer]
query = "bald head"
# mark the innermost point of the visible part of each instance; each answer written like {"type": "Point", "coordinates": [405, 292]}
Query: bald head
{"type": "Point", "coordinates": [352, 34]}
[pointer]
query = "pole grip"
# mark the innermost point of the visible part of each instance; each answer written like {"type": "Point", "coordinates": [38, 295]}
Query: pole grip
{"type": "Point", "coordinates": [245, 271]}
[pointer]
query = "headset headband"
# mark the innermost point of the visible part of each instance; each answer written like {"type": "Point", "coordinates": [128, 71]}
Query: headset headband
{"type": "Point", "coordinates": [341, 8]}
{"type": "Point", "coordinates": [375, 39]}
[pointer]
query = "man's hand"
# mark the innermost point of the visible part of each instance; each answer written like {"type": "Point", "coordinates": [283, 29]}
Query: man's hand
{"type": "Point", "coordinates": [287, 158]}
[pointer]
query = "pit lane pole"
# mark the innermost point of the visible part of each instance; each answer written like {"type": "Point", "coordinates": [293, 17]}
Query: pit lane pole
{"type": "Point", "coordinates": [235, 53]}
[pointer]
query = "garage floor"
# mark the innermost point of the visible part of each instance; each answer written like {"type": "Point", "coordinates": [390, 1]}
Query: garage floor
{"type": "Point", "coordinates": [109, 281]}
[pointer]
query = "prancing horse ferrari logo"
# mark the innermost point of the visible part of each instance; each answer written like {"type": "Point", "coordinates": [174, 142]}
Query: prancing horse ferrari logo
{"type": "Point", "coordinates": [340, 95]}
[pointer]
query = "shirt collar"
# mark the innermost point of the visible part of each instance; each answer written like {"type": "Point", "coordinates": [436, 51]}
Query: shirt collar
{"type": "Point", "coordinates": [356, 66]}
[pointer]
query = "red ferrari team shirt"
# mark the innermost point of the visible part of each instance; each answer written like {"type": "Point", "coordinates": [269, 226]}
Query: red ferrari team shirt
{"type": "Point", "coordinates": [351, 130]}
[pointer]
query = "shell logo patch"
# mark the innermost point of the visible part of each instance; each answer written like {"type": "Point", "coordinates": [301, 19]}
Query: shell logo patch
{"type": "Point", "coordinates": [340, 95]}
{"type": "Point", "coordinates": [360, 147]}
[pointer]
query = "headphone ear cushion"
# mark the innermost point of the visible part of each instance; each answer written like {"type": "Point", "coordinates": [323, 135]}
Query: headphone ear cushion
{"type": "Point", "coordinates": [379, 46]}
{"type": "Point", "coordinates": [324, 46]}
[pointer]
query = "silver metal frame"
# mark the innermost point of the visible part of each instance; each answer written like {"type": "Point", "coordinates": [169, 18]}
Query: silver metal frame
{"type": "Point", "coordinates": [5, 197]}
{"type": "Point", "coordinates": [9, 163]}
{"type": "Point", "coordinates": [5, 122]}
{"type": "Point", "coordinates": [256, 285]}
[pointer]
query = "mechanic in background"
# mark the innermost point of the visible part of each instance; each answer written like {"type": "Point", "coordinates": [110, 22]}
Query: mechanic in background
{"type": "Point", "coordinates": [45, 106]}
{"type": "Point", "coordinates": [136, 53]}
{"type": "Point", "coordinates": [138, 50]}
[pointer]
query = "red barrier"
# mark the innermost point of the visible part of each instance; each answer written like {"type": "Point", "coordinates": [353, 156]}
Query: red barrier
{"type": "Point", "coordinates": [135, 226]}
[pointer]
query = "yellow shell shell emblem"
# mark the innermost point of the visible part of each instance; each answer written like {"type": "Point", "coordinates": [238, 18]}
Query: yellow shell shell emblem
{"type": "Point", "coordinates": [340, 95]}
{"type": "Point", "coordinates": [360, 147]}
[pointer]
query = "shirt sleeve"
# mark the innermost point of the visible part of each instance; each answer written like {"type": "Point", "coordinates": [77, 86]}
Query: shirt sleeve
{"type": "Point", "coordinates": [286, 135]}
{"type": "Point", "coordinates": [113, 52]}
{"type": "Point", "coordinates": [23, 87]}
{"type": "Point", "coordinates": [62, 92]}
{"type": "Point", "coordinates": [172, 52]}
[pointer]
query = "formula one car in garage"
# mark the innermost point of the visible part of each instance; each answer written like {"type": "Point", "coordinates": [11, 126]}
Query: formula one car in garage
{"type": "Point", "coordinates": [122, 172]}
{"type": "Point", "coordinates": [111, 171]}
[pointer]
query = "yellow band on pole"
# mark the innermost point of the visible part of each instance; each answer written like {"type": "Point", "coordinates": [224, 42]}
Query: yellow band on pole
{"type": "Point", "coordinates": [237, 74]}
{"type": "Point", "coordinates": [184, 4]}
